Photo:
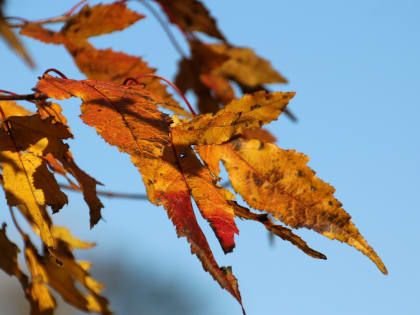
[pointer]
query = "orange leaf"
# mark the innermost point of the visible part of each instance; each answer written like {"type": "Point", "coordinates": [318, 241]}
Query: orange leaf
{"type": "Point", "coordinates": [128, 118]}
{"type": "Point", "coordinates": [89, 21]}
{"type": "Point", "coordinates": [38, 32]}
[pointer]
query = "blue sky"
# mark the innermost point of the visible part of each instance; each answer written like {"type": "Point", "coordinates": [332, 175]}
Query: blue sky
{"type": "Point", "coordinates": [355, 68]}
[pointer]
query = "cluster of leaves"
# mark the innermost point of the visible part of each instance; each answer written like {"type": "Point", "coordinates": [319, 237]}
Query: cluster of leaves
{"type": "Point", "coordinates": [178, 156]}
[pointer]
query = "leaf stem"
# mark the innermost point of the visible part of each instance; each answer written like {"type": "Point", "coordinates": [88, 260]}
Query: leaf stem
{"type": "Point", "coordinates": [57, 19]}
{"type": "Point", "coordinates": [22, 97]}
{"type": "Point", "coordinates": [152, 75]}
{"type": "Point", "coordinates": [55, 71]}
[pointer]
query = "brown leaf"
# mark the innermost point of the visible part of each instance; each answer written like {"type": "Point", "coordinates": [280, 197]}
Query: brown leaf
{"type": "Point", "coordinates": [248, 112]}
{"type": "Point", "coordinates": [8, 258]}
{"type": "Point", "coordinates": [190, 16]}
{"type": "Point", "coordinates": [279, 182]}
{"type": "Point", "coordinates": [12, 40]}
{"type": "Point", "coordinates": [186, 79]}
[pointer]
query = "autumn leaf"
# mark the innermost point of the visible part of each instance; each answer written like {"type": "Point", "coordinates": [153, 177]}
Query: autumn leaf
{"type": "Point", "coordinates": [279, 182]}
{"type": "Point", "coordinates": [127, 117]}
{"type": "Point", "coordinates": [41, 137]}
{"type": "Point", "coordinates": [11, 38]}
{"type": "Point", "coordinates": [190, 16]}
{"type": "Point", "coordinates": [186, 79]}
{"type": "Point", "coordinates": [40, 298]}
{"type": "Point", "coordinates": [18, 172]}
{"type": "Point", "coordinates": [248, 112]}
{"type": "Point", "coordinates": [216, 65]}
{"type": "Point", "coordinates": [8, 258]}
{"type": "Point", "coordinates": [246, 67]}
{"type": "Point", "coordinates": [100, 64]}
{"type": "Point", "coordinates": [89, 21]}
{"type": "Point", "coordinates": [47, 273]}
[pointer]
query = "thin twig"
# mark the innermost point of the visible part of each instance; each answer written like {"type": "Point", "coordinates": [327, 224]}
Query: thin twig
{"type": "Point", "coordinates": [57, 19]}
{"type": "Point", "coordinates": [109, 193]}
{"type": "Point", "coordinates": [23, 97]}
{"type": "Point", "coordinates": [112, 194]}
{"type": "Point", "coordinates": [164, 26]}
{"type": "Point", "coordinates": [152, 75]}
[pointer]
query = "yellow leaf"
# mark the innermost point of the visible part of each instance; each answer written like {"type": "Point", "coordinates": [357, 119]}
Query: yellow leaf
{"type": "Point", "coordinates": [279, 182]}
{"type": "Point", "coordinates": [19, 183]}
{"type": "Point", "coordinates": [64, 234]}
{"type": "Point", "coordinates": [249, 112]}
{"type": "Point", "coordinates": [40, 298]}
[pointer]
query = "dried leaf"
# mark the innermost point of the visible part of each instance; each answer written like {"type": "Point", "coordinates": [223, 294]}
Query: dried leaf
{"type": "Point", "coordinates": [11, 38]}
{"type": "Point", "coordinates": [190, 16]}
{"type": "Point", "coordinates": [279, 182]}
{"type": "Point", "coordinates": [248, 112]}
